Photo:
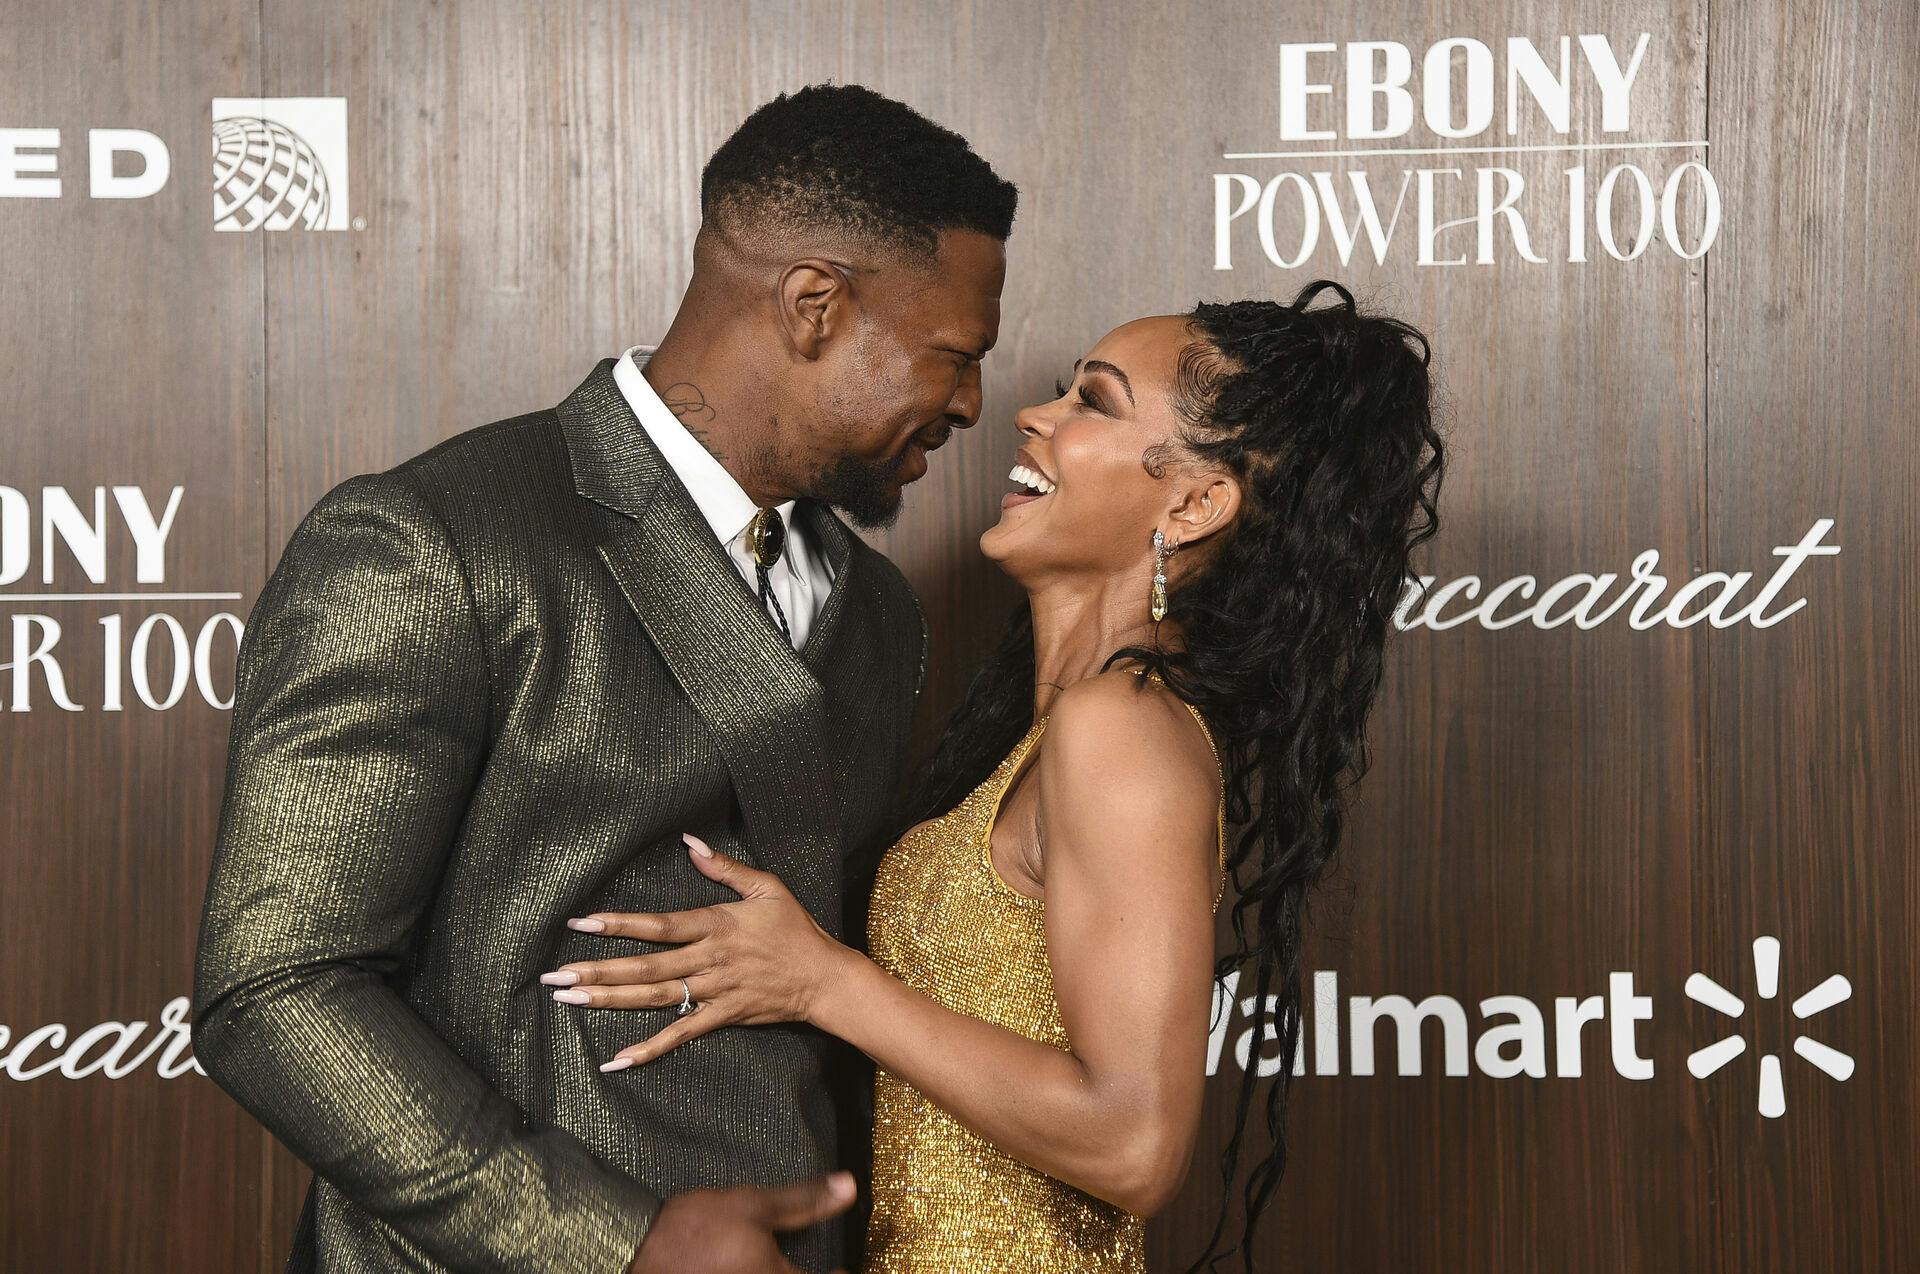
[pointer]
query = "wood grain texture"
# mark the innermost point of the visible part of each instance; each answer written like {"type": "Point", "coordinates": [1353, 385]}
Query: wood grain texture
{"type": "Point", "coordinates": [1814, 356]}
{"type": "Point", "coordinates": [131, 356]}
{"type": "Point", "coordinates": [1546, 806]}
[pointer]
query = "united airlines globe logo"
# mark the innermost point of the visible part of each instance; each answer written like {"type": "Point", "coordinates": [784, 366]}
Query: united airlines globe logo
{"type": "Point", "coordinates": [265, 175]}
{"type": "Point", "coordinates": [279, 164]}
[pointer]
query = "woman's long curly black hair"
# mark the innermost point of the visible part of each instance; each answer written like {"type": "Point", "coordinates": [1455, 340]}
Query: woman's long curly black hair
{"type": "Point", "coordinates": [1325, 417]}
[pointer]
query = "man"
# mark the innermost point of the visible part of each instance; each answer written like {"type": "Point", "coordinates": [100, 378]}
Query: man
{"type": "Point", "coordinates": [489, 689]}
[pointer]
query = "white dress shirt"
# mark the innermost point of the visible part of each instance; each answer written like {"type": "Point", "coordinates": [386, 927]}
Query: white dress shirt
{"type": "Point", "coordinates": [803, 576]}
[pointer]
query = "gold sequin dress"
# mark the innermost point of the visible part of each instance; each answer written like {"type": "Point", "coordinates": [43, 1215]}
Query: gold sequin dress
{"type": "Point", "coordinates": [946, 1201]}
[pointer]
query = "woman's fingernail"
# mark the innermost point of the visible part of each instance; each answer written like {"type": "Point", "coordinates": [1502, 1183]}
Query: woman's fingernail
{"type": "Point", "coordinates": [571, 997]}
{"type": "Point", "coordinates": [587, 926]}
{"type": "Point", "coordinates": [617, 1064]}
{"type": "Point", "coordinates": [559, 979]}
{"type": "Point", "coordinates": [697, 845]}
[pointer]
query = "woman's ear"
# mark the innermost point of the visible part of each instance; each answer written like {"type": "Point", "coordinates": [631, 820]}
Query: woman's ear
{"type": "Point", "coordinates": [816, 302]}
{"type": "Point", "coordinates": [1208, 503]}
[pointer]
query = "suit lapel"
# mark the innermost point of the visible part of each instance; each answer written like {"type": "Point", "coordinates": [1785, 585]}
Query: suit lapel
{"type": "Point", "coordinates": [830, 537]}
{"type": "Point", "coordinates": [764, 706]}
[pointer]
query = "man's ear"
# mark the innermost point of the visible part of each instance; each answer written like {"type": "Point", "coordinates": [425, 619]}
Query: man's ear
{"type": "Point", "coordinates": [1209, 502]}
{"type": "Point", "coordinates": [816, 304]}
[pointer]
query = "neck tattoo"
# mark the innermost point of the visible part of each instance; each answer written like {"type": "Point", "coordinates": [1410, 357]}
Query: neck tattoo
{"type": "Point", "coordinates": [688, 402]}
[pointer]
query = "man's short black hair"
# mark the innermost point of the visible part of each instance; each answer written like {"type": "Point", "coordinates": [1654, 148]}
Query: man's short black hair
{"type": "Point", "coordinates": [845, 158]}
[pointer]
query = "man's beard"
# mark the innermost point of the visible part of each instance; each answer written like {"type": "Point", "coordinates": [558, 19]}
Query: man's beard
{"type": "Point", "coordinates": [866, 491]}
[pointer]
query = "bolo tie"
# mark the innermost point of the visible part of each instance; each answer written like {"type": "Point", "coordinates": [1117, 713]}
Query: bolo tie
{"type": "Point", "coordinates": [766, 539]}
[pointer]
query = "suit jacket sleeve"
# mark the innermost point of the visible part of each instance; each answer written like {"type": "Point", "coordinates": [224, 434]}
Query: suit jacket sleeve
{"type": "Point", "coordinates": [359, 725]}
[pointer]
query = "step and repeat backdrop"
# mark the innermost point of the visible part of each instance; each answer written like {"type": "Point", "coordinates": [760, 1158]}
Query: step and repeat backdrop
{"type": "Point", "coordinates": [1620, 971]}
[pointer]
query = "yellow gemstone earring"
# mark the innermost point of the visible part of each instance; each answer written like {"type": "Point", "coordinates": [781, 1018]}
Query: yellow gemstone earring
{"type": "Point", "coordinates": [1160, 551]}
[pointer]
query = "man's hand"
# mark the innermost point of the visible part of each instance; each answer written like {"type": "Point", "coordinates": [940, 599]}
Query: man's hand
{"type": "Point", "coordinates": [731, 1231]}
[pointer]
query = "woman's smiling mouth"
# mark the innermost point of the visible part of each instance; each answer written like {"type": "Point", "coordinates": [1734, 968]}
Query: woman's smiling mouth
{"type": "Point", "coordinates": [1031, 484]}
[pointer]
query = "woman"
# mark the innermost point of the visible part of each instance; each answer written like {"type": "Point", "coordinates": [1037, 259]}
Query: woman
{"type": "Point", "coordinates": [1212, 525]}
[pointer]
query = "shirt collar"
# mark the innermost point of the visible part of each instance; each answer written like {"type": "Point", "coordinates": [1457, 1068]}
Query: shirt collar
{"type": "Point", "coordinates": [722, 501]}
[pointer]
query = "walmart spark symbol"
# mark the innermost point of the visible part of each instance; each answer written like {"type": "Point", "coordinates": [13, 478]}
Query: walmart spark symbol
{"type": "Point", "coordinates": [1766, 974]}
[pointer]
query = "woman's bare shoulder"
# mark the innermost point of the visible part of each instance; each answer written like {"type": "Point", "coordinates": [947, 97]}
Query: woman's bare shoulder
{"type": "Point", "coordinates": [1128, 744]}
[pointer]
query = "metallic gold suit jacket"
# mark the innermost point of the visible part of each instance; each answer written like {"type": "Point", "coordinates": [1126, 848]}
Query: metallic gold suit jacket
{"type": "Point", "coordinates": [483, 692]}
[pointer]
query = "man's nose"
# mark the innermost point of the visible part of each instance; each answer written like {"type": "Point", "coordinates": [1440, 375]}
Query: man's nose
{"type": "Point", "coordinates": [963, 412]}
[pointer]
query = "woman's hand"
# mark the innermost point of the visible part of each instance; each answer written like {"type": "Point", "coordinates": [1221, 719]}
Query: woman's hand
{"type": "Point", "coordinates": [761, 959]}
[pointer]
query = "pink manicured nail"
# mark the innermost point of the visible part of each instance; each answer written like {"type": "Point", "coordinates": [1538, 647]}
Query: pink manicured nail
{"type": "Point", "coordinates": [571, 997]}
{"type": "Point", "coordinates": [587, 926]}
{"type": "Point", "coordinates": [617, 1064]}
{"type": "Point", "coordinates": [697, 845]}
{"type": "Point", "coordinates": [559, 979]}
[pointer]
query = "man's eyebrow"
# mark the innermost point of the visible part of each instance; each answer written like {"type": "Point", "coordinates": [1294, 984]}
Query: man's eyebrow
{"type": "Point", "coordinates": [1101, 365]}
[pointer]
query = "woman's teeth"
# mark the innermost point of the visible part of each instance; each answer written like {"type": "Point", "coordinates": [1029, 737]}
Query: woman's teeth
{"type": "Point", "coordinates": [1031, 480]}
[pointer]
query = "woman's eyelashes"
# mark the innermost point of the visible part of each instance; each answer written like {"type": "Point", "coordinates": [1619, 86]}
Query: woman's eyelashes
{"type": "Point", "coordinates": [1086, 400]}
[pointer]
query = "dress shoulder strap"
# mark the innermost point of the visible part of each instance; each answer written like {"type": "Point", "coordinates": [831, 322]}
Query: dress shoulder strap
{"type": "Point", "coordinates": [997, 786]}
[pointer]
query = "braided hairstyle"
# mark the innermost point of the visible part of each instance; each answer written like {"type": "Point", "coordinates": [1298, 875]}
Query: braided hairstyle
{"type": "Point", "coordinates": [1325, 418]}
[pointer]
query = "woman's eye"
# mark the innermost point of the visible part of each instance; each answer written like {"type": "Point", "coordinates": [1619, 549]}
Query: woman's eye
{"type": "Point", "coordinates": [1060, 390]}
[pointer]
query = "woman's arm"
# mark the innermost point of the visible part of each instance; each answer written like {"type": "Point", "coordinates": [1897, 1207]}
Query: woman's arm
{"type": "Point", "coordinates": [1127, 797]}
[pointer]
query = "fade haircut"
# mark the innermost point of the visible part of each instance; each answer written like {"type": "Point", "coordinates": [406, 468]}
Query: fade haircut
{"type": "Point", "coordinates": [843, 158]}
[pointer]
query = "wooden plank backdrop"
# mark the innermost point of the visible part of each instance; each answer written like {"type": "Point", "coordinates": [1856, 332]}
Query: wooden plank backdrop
{"type": "Point", "coordinates": [132, 353]}
{"type": "Point", "coordinates": [1548, 807]}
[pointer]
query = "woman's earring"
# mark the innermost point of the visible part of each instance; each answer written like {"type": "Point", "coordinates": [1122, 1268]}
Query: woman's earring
{"type": "Point", "coordinates": [1159, 576]}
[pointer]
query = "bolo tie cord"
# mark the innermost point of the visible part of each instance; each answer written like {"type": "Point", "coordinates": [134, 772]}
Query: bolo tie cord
{"type": "Point", "coordinates": [772, 602]}
{"type": "Point", "coordinates": [767, 540]}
